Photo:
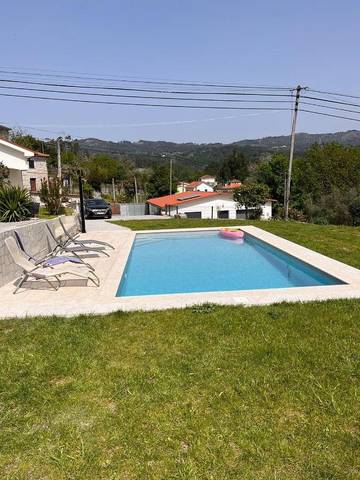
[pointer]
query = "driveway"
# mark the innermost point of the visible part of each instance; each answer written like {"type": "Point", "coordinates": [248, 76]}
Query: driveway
{"type": "Point", "coordinates": [103, 225]}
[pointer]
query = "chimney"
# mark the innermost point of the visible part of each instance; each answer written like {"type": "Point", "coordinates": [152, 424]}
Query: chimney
{"type": "Point", "coordinates": [4, 132]}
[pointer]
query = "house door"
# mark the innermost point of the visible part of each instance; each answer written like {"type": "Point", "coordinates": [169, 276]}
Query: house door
{"type": "Point", "coordinates": [223, 214]}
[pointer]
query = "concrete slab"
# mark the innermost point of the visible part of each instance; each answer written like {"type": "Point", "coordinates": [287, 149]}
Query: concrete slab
{"type": "Point", "coordinates": [74, 300]}
{"type": "Point", "coordinates": [103, 225]}
{"type": "Point", "coordinates": [6, 226]}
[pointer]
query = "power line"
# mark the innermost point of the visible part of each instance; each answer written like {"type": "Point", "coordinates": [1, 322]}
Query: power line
{"type": "Point", "coordinates": [152, 97]}
{"type": "Point", "coordinates": [334, 93]}
{"type": "Point", "coordinates": [331, 101]}
{"type": "Point", "coordinates": [328, 106]}
{"type": "Point", "coordinates": [76, 100]}
{"type": "Point", "coordinates": [146, 81]}
{"type": "Point", "coordinates": [330, 115]}
{"type": "Point", "coordinates": [179, 92]}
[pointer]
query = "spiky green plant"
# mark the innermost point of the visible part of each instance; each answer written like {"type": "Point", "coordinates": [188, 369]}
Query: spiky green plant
{"type": "Point", "coordinates": [15, 203]}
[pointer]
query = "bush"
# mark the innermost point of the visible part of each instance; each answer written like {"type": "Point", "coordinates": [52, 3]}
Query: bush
{"type": "Point", "coordinates": [334, 207]}
{"type": "Point", "coordinates": [294, 214]}
{"type": "Point", "coordinates": [4, 173]}
{"type": "Point", "coordinates": [354, 210]}
{"type": "Point", "coordinates": [88, 190]}
{"type": "Point", "coordinates": [15, 203]}
{"type": "Point", "coordinates": [50, 194]}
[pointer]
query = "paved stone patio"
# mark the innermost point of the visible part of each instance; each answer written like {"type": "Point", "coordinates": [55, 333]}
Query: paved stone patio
{"type": "Point", "coordinates": [73, 300]}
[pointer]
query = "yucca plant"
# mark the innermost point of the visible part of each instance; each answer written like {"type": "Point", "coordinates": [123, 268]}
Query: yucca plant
{"type": "Point", "coordinates": [15, 203]}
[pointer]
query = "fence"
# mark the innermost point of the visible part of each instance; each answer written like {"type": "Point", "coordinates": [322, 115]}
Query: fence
{"type": "Point", "coordinates": [133, 209]}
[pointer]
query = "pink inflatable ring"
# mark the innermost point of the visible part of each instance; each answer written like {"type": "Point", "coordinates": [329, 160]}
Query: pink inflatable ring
{"type": "Point", "coordinates": [232, 233]}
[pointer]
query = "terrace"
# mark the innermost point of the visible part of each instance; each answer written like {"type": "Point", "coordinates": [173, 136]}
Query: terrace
{"type": "Point", "coordinates": [76, 298]}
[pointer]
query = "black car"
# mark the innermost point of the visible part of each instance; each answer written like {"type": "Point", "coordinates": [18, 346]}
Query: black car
{"type": "Point", "coordinates": [97, 208]}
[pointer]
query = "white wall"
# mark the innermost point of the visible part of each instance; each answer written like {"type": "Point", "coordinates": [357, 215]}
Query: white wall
{"type": "Point", "coordinates": [209, 208]}
{"type": "Point", "coordinates": [203, 187]}
{"type": "Point", "coordinates": [209, 181]}
{"type": "Point", "coordinates": [13, 158]}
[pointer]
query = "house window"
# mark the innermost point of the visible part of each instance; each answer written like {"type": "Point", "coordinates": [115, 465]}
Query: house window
{"type": "Point", "coordinates": [31, 163]}
{"type": "Point", "coordinates": [193, 214]}
{"type": "Point", "coordinates": [32, 184]}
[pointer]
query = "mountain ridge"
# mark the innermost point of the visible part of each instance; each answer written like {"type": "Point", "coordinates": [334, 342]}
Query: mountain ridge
{"type": "Point", "coordinates": [146, 152]}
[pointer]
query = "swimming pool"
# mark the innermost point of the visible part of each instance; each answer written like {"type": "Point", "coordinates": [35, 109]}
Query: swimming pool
{"type": "Point", "coordinates": [186, 262]}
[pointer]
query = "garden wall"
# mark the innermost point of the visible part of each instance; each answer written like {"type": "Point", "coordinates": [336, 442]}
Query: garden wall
{"type": "Point", "coordinates": [35, 240]}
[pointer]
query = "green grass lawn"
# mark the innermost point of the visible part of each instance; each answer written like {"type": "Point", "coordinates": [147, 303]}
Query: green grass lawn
{"type": "Point", "coordinates": [339, 242]}
{"type": "Point", "coordinates": [205, 393]}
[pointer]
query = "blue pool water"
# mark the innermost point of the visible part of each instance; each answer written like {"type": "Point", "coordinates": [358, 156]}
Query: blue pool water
{"type": "Point", "coordinates": [185, 262]}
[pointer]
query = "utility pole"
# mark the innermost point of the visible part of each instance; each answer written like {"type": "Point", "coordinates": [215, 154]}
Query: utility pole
{"type": "Point", "coordinates": [291, 156]}
{"type": "Point", "coordinates": [58, 145]}
{"type": "Point", "coordinates": [113, 189]}
{"type": "Point", "coordinates": [170, 189]}
{"type": "Point", "coordinates": [136, 190]}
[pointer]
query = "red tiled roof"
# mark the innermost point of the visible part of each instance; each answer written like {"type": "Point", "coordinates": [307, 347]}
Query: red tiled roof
{"type": "Point", "coordinates": [232, 185]}
{"type": "Point", "coordinates": [194, 184]}
{"type": "Point", "coordinates": [181, 198]}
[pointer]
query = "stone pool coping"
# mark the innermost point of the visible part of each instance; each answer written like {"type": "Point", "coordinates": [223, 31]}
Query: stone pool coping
{"type": "Point", "coordinates": [75, 300]}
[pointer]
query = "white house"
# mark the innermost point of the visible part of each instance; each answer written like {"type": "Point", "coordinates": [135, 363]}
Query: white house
{"type": "Point", "coordinates": [26, 167]}
{"type": "Point", "coordinates": [203, 205]}
{"type": "Point", "coordinates": [199, 187]}
{"type": "Point", "coordinates": [209, 180]}
{"type": "Point", "coordinates": [181, 187]}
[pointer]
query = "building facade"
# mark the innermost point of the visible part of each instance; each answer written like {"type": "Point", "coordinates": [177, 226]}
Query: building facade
{"type": "Point", "coordinates": [208, 205]}
{"type": "Point", "coordinates": [26, 167]}
{"type": "Point", "coordinates": [199, 187]}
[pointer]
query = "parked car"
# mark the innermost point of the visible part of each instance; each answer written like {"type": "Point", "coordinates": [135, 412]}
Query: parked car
{"type": "Point", "coordinates": [97, 208]}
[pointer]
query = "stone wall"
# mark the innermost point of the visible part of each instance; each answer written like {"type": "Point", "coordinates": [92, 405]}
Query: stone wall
{"type": "Point", "coordinates": [36, 241]}
{"type": "Point", "coordinates": [39, 172]}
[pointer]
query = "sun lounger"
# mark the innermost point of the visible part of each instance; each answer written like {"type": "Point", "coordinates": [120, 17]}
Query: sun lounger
{"type": "Point", "coordinates": [49, 259]}
{"type": "Point", "coordinates": [49, 274]}
{"type": "Point", "coordinates": [74, 239]}
{"type": "Point", "coordinates": [68, 246]}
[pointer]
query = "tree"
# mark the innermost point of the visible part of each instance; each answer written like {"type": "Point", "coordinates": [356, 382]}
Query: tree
{"type": "Point", "coordinates": [234, 166]}
{"type": "Point", "coordinates": [102, 169]}
{"type": "Point", "coordinates": [26, 141]}
{"type": "Point", "coordinates": [326, 168]}
{"type": "Point", "coordinates": [159, 181]}
{"type": "Point", "coordinates": [251, 195]}
{"type": "Point", "coordinates": [272, 173]}
{"type": "Point", "coordinates": [4, 173]}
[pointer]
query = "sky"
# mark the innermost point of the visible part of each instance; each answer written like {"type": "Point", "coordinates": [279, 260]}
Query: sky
{"type": "Point", "coordinates": [230, 41]}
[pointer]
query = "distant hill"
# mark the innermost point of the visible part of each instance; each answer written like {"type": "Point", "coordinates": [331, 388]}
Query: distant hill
{"type": "Point", "coordinates": [144, 153]}
{"type": "Point", "coordinates": [304, 140]}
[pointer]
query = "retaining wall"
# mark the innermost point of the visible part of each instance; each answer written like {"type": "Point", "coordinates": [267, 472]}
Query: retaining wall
{"type": "Point", "coordinates": [36, 241]}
